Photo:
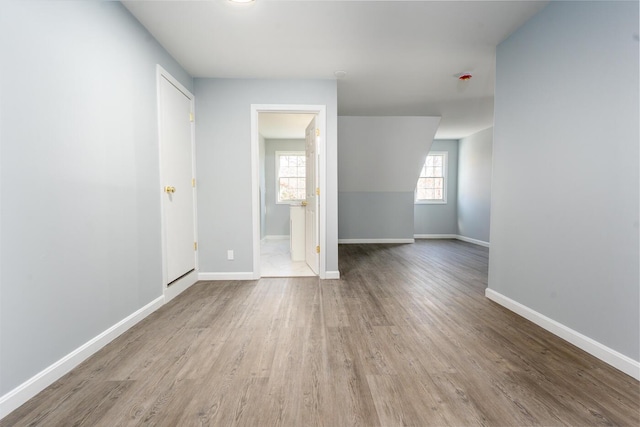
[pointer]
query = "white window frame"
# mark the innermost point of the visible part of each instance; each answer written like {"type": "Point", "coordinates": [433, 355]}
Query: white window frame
{"type": "Point", "coordinates": [445, 171]}
{"type": "Point", "coordinates": [277, 175]}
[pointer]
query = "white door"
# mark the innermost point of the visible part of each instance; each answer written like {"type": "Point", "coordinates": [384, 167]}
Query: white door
{"type": "Point", "coordinates": [176, 161]}
{"type": "Point", "coordinates": [311, 221]}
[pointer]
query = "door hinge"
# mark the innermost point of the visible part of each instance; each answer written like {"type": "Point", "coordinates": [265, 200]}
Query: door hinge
{"type": "Point", "coordinates": [195, 246]}
{"type": "Point", "coordinates": [193, 182]}
{"type": "Point", "coordinates": [317, 132]}
{"type": "Point", "coordinates": [191, 118]}
{"type": "Point", "coordinates": [317, 249]}
{"type": "Point", "coordinates": [317, 191]}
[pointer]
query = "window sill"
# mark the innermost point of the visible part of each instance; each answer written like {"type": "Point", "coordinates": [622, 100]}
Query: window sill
{"type": "Point", "coordinates": [290, 202]}
{"type": "Point", "coordinates": [430, 202]}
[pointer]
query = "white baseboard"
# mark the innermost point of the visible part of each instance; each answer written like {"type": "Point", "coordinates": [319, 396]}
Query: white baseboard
{"type": "Point", "coordinates": [332, 275]}
{"type": "Point", "coordinates": [415, 237]}
{"type": "Point", "coordinates": [227, 276]}
{"type": "Point", "coordinates": [452, 236]}
{"type": "Point", "coordinates": [474, 241]}
{"type": "Point", "coordinates": [617, 360]}
{"type": "Point", "coordinates": [367, 241]}
{"type": "Point", "coordinates": [435, 236]}
{"type": "Point", "coordinates": [276, 237]}
{"type": "Point", "coordinates": [25, 391]}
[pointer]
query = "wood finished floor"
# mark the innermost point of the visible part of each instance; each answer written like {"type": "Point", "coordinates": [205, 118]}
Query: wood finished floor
{"type": "Point", "coordinates": [406, 337]}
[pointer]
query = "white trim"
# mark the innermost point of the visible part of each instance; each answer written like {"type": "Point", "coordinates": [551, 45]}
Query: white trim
{"type": "Point", "coordinates": [321, 122]}
{"type": "Point", "coordinates": [255, 192]}
{"type": "Point", "coordinates": [276, 237]}
{"type": "Point", "coordinates": [435, 236]}
{"type": "Point", "coordinates": [25, 391]}
{"type": "Point", "coordinates": [415, 237]}
{"type": "Point", "coordinates": [474, 241]}
{"type": "Point", "coordinates": [452, 236]}
{"type": "Point", "coordinates": [172, 291]}
{"type": "Point", "coordinates": [429, 202]}
{"type": "Point", "coordinates": [617, 360]}
{"type": "Point", "coordinates": [248, 275]}
{"type": "Point", "coordinates": [367, 241]}
{"type": "Point", "coordinates": [277, 156]}
{"type": "Point", "coordinates": [332, 275]}
{"type": "Point", "coordinates": [445, 176]}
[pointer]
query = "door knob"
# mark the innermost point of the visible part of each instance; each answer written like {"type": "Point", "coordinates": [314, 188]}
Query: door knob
{"type": "Point", "coordinates": [303, 203]}
{"type": "Point", "coordinates": [170, 189]}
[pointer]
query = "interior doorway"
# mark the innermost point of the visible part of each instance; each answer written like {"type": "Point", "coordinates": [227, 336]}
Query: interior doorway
{"type": "Point", "coordinates": [283, 168]}
{"type": "Point", "coordinates": [284, 172]}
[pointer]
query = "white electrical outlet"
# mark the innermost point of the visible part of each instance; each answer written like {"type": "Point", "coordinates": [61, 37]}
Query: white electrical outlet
{"type": "Point", "coordinates": [230, 255]}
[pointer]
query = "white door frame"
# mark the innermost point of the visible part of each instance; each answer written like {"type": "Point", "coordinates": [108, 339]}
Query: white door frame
{"type": "Point", "coordinates": [321, 116]}
{"type": "Point", "coordinates": [184, 282]}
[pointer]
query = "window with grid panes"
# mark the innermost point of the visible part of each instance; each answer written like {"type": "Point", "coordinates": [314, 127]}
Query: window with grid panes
{"type": "Point", "coordinates": [431, 187]}
{"type": "Point", "coordinates": [290, 176]}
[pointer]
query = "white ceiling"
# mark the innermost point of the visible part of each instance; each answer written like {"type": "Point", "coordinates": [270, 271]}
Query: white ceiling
{"type": "Point", "coordinates": [283, 125]}
{"type": "Point", "coordinates": [401, 57]}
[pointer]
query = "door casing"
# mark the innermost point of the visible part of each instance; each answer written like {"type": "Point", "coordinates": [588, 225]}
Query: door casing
{"type": "Point", "coordinates": [321, 123]}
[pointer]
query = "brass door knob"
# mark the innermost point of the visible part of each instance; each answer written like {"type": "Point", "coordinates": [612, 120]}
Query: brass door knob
{"type": "Point", "coordinates": [170, 189]}
{"type": "Point", "coordinates": [303, 203]}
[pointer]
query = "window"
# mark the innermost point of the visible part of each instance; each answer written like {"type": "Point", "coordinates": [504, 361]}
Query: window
{"type": "Point", "coordinates": [290, 176]}
{"type": "Point", "coordinates": [432, 186]}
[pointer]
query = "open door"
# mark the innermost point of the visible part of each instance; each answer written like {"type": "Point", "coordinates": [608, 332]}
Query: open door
{"type": "Point", "coordinates": [312, 247]}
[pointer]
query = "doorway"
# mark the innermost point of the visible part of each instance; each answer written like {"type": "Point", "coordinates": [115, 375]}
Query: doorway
{"type": "Point", "coordinates": [283, 176]}
{"type": "Point", "coordinates": [285, 226]}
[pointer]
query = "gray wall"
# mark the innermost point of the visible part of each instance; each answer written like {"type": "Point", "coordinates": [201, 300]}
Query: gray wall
{"type": "Point", "coordinates": [223, 138]}
{"type": "Point", "coordinates": [80, 173]}
{"type": "Point", "coordinates": [440, 218]}
{"type": "Point", "coordinates": [564, 202]}
{"type": "Point", "coordinates": [277, 218]}
{"type": "Point", "coordinates": [379, 163]}
{"type": "Point", "coordinates": [376, 215]}
{"type": "Point", "coordinates": [474, 185]}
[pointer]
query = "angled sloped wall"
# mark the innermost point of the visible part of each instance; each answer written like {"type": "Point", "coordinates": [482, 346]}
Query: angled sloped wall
{"type": "Point", "coordinates": [379, 160]}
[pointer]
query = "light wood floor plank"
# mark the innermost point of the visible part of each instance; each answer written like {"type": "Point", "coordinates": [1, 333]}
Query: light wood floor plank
{"type": "Point", "coordinates": [406, 337]}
